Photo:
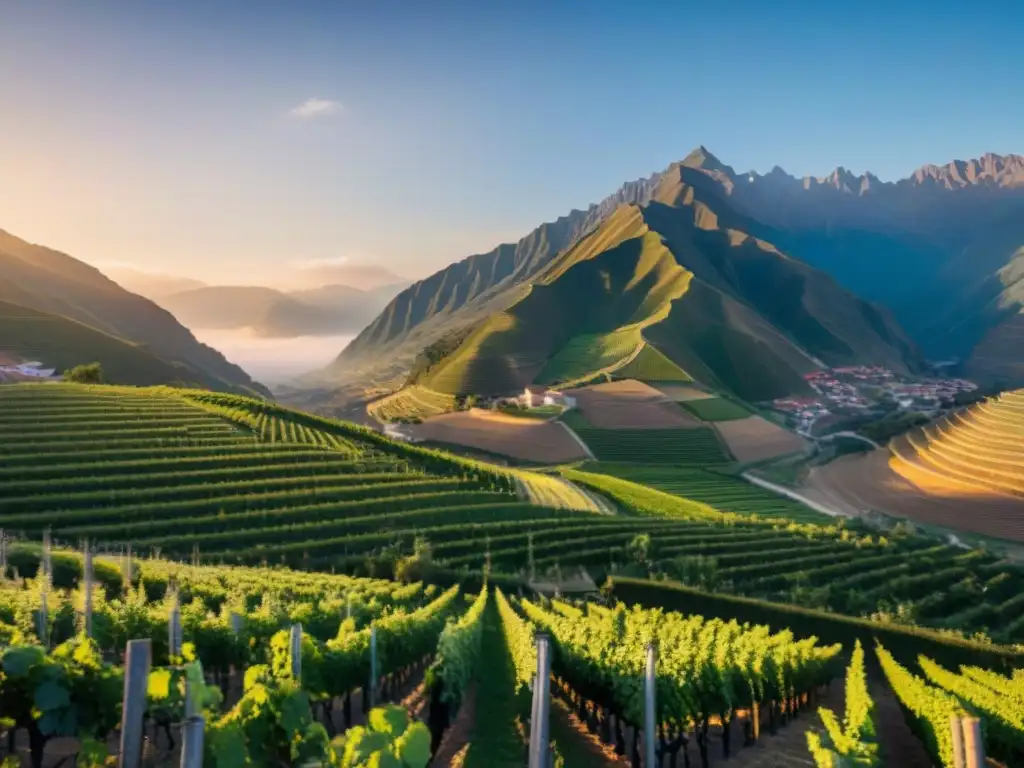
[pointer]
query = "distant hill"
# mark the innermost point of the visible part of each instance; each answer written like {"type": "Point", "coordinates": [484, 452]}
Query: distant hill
{"type": "Point", "coordinates": [936, 249]}
{"type": "Point", "coordinates": [152, 285]}
{"type": "Point", "coordinates": [56, 284]}
{"type": "Point", "coordinates": [365, 277]}
{"type": "Point", "coordinates": [327, 310]}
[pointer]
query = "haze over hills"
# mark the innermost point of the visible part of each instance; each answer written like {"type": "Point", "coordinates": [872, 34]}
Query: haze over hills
{"type": "Point", "coordinates": [152, 285]}
{"type": "Point", "coordinates": [304, 303]}
{"type": "Point", "coordinates": [936, 248]}
{"type": "Point", "coordinates": [60, 289]}
{"type": "Point", "coordinates": [270, 313]}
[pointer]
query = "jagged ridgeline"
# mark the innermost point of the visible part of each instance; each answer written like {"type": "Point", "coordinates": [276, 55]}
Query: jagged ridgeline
{"type": "Point", "coordinates": [671, 290]}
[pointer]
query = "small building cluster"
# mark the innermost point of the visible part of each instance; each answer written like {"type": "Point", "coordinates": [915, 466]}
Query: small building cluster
{"type": "Point", "coordinates": [535, 396]}
{"type": "Point", "coordinates": [867, 390]}
{"type": "Point", "coordinates": [27, 372]}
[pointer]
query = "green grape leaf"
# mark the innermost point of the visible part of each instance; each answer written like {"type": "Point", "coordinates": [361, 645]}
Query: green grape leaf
{"type": "Point", "coordinates": [91, 754]}
{"type": "Point", "coordinates": [51, 696]}
{"type": "Point", "coordinates": [391, 720]}
{"type": "Point", "coordinates": [361, 745]}
{"type": "Point", "coordinates": [18, 661]}
{"type": "Point", "coordinates": [383, 760]}
{"type": "Point", "coordinates": [413, 748]}
{"type": "Point", "coordinates": [227, 745]}
{"type": "Point", "coordinates": [294, 715]}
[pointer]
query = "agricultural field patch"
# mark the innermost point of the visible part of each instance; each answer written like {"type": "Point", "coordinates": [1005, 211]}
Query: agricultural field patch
{"type": "Point", "coordinates": [715, 409]}
{"type": "Point", "coordinates": [861, 483]}
{"type": "Point", "coordinates": [726, 493]}
{"type": "Point", "coordinates": [682, 393]}
{"type": "Point", "coordinates": [529, 439]}
{"type": "Point", "coordinates": [629, 404]}
{"type": "Point", "coordinates": [979, 450]}
{"type": "Point", "coordinates": [686, 446]}
{"type": "Point", "coordinates": [755, 439]}
{"type": "Point", "coordinates": [410, 403]}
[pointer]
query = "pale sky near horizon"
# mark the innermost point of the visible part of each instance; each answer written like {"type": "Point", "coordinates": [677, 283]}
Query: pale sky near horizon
{"type": "Point", "coordinates": [226, 139]}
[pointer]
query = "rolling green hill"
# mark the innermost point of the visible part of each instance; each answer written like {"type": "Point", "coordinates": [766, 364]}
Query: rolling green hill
{"type": "Point", "coordinates": [56, 284]}
{"type": "Point", "coordinates": [725, 307]}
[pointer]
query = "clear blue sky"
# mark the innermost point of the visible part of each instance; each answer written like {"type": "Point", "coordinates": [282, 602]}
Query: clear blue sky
{"type": "Point", "coordinates": [171, 134]}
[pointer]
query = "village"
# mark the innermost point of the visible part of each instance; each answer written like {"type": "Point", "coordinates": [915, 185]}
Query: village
{"type": "Point", "coordinates": [11, 372]}
{"type": "Point", "coordinates": [862, 390]}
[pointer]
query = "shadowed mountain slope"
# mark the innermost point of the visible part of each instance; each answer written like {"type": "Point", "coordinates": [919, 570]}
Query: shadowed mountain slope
{"type": "Point", "coordinates": [54, 283]}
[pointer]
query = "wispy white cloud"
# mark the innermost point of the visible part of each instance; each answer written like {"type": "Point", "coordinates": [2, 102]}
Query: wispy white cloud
{"type": "Point", "coordinates": [314, 107]}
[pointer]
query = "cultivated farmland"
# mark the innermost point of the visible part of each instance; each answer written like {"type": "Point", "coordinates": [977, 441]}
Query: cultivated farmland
{"type": "Point", "coordinates": [725, 493]}
{"type": "Point", "coordinates": [242, 480]}
{"type": "Point", "coordinates": [629, 405]}
{"type": "Point", "coordinates": [686, 446]}
{"type": "Point", "coordinates": [755, 438]}
{"type": "Point", "coordinates": [414, 402]}
{"type": "Point", "coordinates": [715, 409]}
{"type": "Point", "coordinates": [499, 433]}
{"type": "Point", "coordinates": [979, 451]}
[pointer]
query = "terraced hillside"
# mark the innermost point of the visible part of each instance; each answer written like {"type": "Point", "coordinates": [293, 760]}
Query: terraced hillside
{"type": "Point", "coordinates": [243, 480]}
{"type": "Point", "coordinates": [980, 450]}
{"type": "Point", "coordinates": [410, 403]}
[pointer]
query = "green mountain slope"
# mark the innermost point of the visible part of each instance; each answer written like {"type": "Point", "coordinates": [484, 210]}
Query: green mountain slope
{"type": "Point", "coordinates": [57, 284]}
{"type": "Point", "coordinates": [924, 247]}
{"type": "Point", "coordinates": [681, 275]}
{"type": "Point", "coordinates": [63, 343]}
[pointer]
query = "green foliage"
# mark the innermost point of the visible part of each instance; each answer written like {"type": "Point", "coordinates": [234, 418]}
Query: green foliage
{"type": "Point", "coordinates": [458, 651]}
{"type": "Point", "coordinates": [705, 667]}
{"type": "Point", "coordinates": [70, 691]}
{"type": "Point", "coordinates": [89, 373]}
{"type": "Point", "coordinates": [852, 742]}
{"type": "Point", "coordinates": [931, 707]}
{"type": "Point", "coordinates": [724, 492]}
{"type": "Point", "coordinates": [904, 642]}
{"type": "Point", "coordinates": [389, 740]}
{"type": "Point", "coordinates": [1003, 711]}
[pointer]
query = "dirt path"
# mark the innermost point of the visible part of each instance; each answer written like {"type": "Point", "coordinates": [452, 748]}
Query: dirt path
{"type": "Point", "coordinates": [455, 742]}
{"type": "Point", "coordinates": [897, 743]}
{"type": "Point", "coordinates": [577, 745]}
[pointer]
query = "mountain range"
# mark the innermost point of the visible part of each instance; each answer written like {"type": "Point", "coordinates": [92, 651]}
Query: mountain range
{"type": "Point", "coordinates": [63, 312]}
{"type": "Point", "coordinates": [309, 308]}
{"type": "Point", "coordinates": [780, 274]}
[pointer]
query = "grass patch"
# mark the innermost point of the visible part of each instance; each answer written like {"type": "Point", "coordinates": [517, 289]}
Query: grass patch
{"type": "Point", "coordinates": [715, 409]}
